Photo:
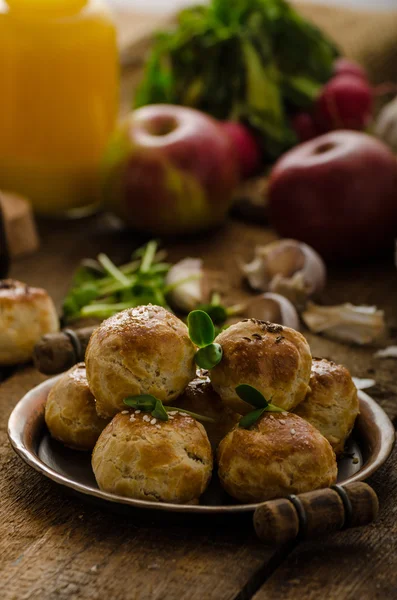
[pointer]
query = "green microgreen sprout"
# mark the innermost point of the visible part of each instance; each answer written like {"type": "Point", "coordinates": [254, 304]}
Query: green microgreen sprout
{"type": "Point", "coordinates": [202, 334]}
{"type": "Point", "coordinates": [209, 356]}
{"type": "Point", "coordinates": [252, 396]}
{"type": "Point", "coordinates": [100, 289]}
{"type": "Point", "coordinates": [201, 328]}
{"type": "Point", "coordinates": [151, 404]}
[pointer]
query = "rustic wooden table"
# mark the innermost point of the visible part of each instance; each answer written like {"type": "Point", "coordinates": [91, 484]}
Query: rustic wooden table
{"type": "Point", "coordinates": [54, 546]}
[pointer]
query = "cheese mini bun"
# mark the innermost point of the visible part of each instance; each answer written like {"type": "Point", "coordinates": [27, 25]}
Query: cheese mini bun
{"type": "Point", "coordinates": [147, 459]}
{"type": "Point", "coordinates": [281, 454]}
{"type": "Point", "coordinates": [26, 314]}
{"type": "Point", "coordinates": [200, 397]}
{"type": "Point", "coordinates": [70, 411]}
{"type": "Point", "coordinates": [274, 359]}
{"type": "Point", "coordinates": [332, 404]}
{"type": "Point", "coordinates": [144, 350]}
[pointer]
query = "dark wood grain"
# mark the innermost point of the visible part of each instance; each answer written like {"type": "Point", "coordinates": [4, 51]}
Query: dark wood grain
{"type": "Point", "coordinates": [355, 564]}
{"type": "Point", "coordinates": [55, 547]}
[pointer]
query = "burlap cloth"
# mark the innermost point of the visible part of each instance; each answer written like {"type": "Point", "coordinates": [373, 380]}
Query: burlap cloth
{"type": "Point", "coordinates": [369, 37]}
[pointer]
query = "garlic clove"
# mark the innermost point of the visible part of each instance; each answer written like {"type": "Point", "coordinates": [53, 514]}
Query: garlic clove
{"type": "Point", "coordinates": [287, 267]}
{"type": "Point", "coordinates": [273, 308]}
{"type": "Point", "coordinates": [187, 285]}
{"type": "Point", "coordinates": [346, 322]}
{"type": "Point", "coordinates": [389, 352]}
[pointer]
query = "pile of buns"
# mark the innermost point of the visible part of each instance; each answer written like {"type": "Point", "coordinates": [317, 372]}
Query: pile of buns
{"type": "Point", "coordinates": [147, 350]}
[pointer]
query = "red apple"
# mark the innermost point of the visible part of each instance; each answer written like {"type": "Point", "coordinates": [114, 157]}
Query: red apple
{"type": "Point", "coordinates": [337, 193]}
{"type": "Point", "coordinates": [170, 170]}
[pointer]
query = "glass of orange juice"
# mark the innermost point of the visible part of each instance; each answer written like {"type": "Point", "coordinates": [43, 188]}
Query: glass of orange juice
{"type": "Point", "coordinates": [59, 84]}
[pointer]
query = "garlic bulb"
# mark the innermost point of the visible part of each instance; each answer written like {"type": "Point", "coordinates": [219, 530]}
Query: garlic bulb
{"type": "Point", "coordinates": [386, 125]}
{"type": "Point", "coordinates": [274, 308]}
{"type": "Point", "coordinates": [287, 267]}
{"type": "Point", "coordinates": [346, 322]}
{"type": "Point", "coordinates": [187, 285]}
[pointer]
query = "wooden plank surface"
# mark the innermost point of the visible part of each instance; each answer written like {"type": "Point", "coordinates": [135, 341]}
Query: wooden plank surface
{"type": "Point", "coordinates": [54, 546]}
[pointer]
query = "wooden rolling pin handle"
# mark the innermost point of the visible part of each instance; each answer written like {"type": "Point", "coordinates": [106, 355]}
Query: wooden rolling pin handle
{"type": "Point", "coordinates": [57, 352]}
{"type": "Point", "coordinates": [315, 513]}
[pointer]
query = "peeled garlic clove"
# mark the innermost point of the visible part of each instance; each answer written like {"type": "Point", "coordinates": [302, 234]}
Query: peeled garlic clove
{"type": "Point", "coordinates": [346, 322]}
{"type": "Point", "coordinates": [273, 308]}
{"type": "Point", "coordinates": [287, 267]}
{"type": "Point", "coordinates": [187, 282]}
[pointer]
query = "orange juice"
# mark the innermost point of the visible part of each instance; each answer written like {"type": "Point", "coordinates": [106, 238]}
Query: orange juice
{"type": "Point", "coordinates": [58, 100]}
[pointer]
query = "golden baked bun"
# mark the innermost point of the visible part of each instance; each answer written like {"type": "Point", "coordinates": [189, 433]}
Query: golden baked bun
{"type": "Point", "coordinates": [274, 359]}
{"type": "Point", "coordinates": [70, 411]}
{"type": "Point", "coordinates": [332, 404]}
{"type": "Point", "coordinates": [200, 397]}
{"type": "Point", "coordinates": [147, 459]}
{"type": "Point", "coordinates": [26, 314]}
{"type": "Point", "coordinates": [281, 454]}
{"type": "Point", "coordinates": [143, 350]}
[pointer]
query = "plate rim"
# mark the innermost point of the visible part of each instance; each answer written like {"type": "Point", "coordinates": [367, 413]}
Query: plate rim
{"type": "Point", "coordinates": [18, 419]}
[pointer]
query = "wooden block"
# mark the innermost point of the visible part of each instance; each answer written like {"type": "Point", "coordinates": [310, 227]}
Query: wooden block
{"type": "Point", "coordinates": [20, 228]}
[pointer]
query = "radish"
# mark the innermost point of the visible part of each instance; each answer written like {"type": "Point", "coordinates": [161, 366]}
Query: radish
{"type": "Point", "coordinates": [246, 147]}
{"type": "Point", "coordinates": [345, 102]}
{"type": "Point", "coordinates": [304, 126]}
{"type": "Point", "coordinates": [344, 66]}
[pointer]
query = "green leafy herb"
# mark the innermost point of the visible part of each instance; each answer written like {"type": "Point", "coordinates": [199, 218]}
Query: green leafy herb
{"type": "Point", "coordinates": [100, 289]}
{"type": "Point", "coordinates": [159, 411]}
{"type": "Point", "coordinates": [201, 328]}
{"type": "Point", "coordinates": [256, 61]}
{"type": "Point", "coordinates": [252, 396]}
{"type": "Point", "coordinates": [145, 402]}
{"type": "Point", "coordinates": [149, 403]}
{"type": "Point", "coordinates": [209, 356]}
{"type": "Point", "coordinates": [251, 418]}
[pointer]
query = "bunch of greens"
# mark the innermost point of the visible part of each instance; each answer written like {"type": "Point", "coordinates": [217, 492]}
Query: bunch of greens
{"type": "Point", "coordinates": [254, 61]}
{"type": "Point", "coordinates": [252, 396]}
{"type": "Point", "coordinates": [100, 289]}
{"type": "Point", "coordinates": [154, 406]}
{"type": "Point", "coordinates": [202, 333]}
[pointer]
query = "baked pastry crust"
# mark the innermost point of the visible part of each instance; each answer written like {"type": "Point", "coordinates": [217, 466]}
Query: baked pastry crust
{"type": "Point", "coordinates": [144, 350]}
{"type": "Point", "coordinates": [148, 459]}
{"type": "Point", "coordinates": [274, 359]}
{"type": "Point", "coordinates": [200, 397]}
{"type": "Point", "coordinates": [332, 404]}
{"type": "Point", "coordinates": [26, 314]}
{"type": "Point", "coordinates": [281, 454]}
{"type": "Point", "coordinates": [70, 411]}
